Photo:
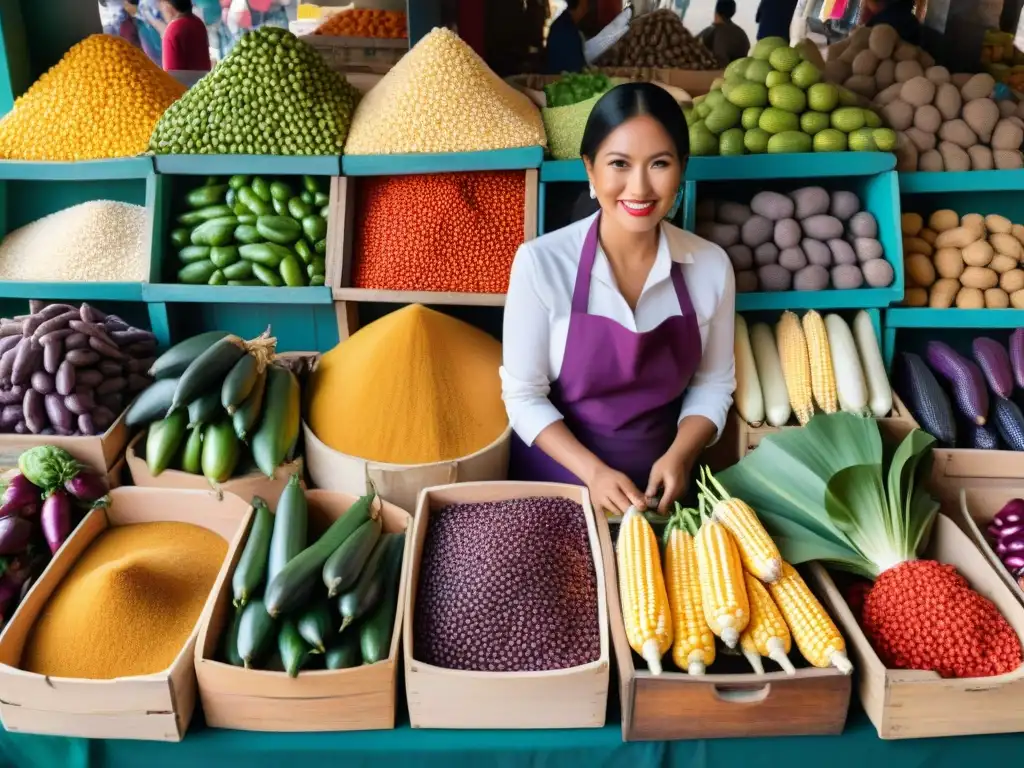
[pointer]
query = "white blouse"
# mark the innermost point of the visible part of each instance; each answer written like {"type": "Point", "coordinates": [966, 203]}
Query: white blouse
{"type": "Point", "coordinates": [538, 307]}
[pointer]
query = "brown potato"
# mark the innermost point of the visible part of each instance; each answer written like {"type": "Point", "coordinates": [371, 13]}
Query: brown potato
{"type": "Point", "coordinates": [1007, 244]}
{"type": "Point", "coordinates": [917, 245]}
{"type": "Point", "coordinates": [974, 222]}
{"type": "Point", "coordinates": [911, 224]}
{"type": "Point", "coordinates": [943, 293]}
{"type": "Point", "coordinates": [920, 270]}
{"type": "Point", "coordinates": [979, 277]}
{"type": "Point", "coordinates": [970, 298]}
{"type": "Point", "coordinates": [978, 254]}
{"type": "Point", "coordinates": [1017, 299]}
{"type": "Point", "coordinates": [928, 235]}
{"type": "Point", "coordinates": [1018, 232]}
{"type": "Point", "coordinates": [949, 263]}
{"type": "Point", "coordinates": [915, 297]}
{"type": "Point", "coordinates": [1003, 263]}
{"type": "Point", "coordinates": [943, 220]}
{"type": "Point", "coordinates": [958, 237]}
{"type": "Point", "coordinates": [1012, 281]}
{"type": "Point", "coordinates": [996, 298]}
{"type": "Point", "coordinates": [999, 224]}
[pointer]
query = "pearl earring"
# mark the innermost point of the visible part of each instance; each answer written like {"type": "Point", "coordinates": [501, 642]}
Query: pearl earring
{"type": "Point", "coordinates": [593, 192]}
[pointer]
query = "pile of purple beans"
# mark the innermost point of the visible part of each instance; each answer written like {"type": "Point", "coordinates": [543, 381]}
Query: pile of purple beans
{"type": "Point", "coordinates": [1007, 531]}
{"type": "Point", "coordinates": [507, 586]}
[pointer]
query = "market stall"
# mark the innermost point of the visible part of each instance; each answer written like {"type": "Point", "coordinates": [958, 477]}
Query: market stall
{"type": "Point", "coordinates": [228, 298]}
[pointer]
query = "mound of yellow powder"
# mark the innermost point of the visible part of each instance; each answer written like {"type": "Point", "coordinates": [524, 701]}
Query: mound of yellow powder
{"type": "Point", "coordinates": [414, 387]}
{"type": "Point", "coordinates": [101, 100]}
{"type": "Point", "coordinates": [442, 97]}
{"type": "Point", "coordinates": [128, 606]}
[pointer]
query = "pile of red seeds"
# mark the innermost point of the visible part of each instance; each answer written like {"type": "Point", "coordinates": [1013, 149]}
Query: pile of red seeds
{"type": "Point", "coordinates": [924, 615]}
{"type": "Point", "coordinates": [439, 232]}
{"type": "Point", "coordinates": [507, 586]}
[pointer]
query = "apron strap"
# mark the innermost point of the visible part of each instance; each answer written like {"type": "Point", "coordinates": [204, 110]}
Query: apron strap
{"type": "Point", "coordinates": [682, 292]}
{"type": "Point", "coordinates": [581, 291]}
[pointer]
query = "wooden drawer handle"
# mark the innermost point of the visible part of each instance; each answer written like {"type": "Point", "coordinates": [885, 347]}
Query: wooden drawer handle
{"type": "Point", "coordinates": [732, 695]}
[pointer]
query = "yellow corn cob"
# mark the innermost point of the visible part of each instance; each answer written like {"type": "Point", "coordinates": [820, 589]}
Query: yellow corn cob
{"type": "Point", "coordinates": [721, 580]}
{"type": "Point", "coordinates": [819, 353]}
{"type": "Point", "coordinates": [767, 633]}
{"type": "Point", "coordinates": [645, 610]}
{"type": "Point", "coordinates": [813, 630]}
{"type": "Point", "coordinates": [796, 365]}
{"type": "Point", "coordinates": [758, 552]}
{"type": "Point", "coordinates": [693, 646]}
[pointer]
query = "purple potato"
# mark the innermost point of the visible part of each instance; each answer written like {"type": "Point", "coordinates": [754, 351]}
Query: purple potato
{"type": "Point", "coordinates": [110, 386]}
{"type": "Point", "coordinates": [76, 341]}
{"type": "Point", "coordinates": [80, 358]}
{"type": "Point", "coordinates": [53, 354]}
{"type": "Point", "coordinates": [60, 416]}
{"type": "Point", "coordinates": [43, 382]}
{"type": "Point", "coordinates": [79, 403]}
{"type": "Point", "coordinates": [9, 416]}
{"type": "Point", "coordinates": [34, 409]}
{"type": "Point", "coordinates": [55, 519]}
{"type": "Point", "coordinates": [87, 486]}
{"type": "Point", "coordinates": [15, 533]}
{"type": "Point", "coordinates": [66, 378]}
{"type": "Point", "coordinates": [21, 493]}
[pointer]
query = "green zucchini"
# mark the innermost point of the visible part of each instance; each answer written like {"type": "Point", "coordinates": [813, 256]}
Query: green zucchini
{"type": "Point", "coordinates": [279, 427]}
{"type": "Point", "coordinates": [293, 649]}
{"type": "Point", "coordinates": [164, 440]}
{"type": "Point", "coordinates": [298, 209]}
{"type": "Point", "coordinates": [255, 631]}
{"type": "Point", "coordinates": [240, 270]}
{"type": "Point", "coordinates": [230, 198]}
{"type": "Point", "coordinates": [221, 451]}
{"type": "Point", "coordinates": [230, 650]}
{"type": "Point", "coordinates": [368, 590]}
{"type": "Point", "coordinates": [238, 181]}
{"type": "Point", "coordinates": [307, 197]}
{"type": "Point", "coordinates": [280, 207]}
{"type": "Point", "coordinates": [261, 253]}
{"type": "Point", "coordinates": [320, 199]}
{"type": "Point", "coordinates": [247, 218]}
{"type": "Point", "coordinates": [375, 632]}
{"type": "Point", "coordinates": [201, 197]}
{"type": "Point", "coordinates": [224, 255]}
{"type": "Point", "coordinates": [320, 247]}
{"type": "Point", "coordinates": [197, 272]}
{"type": "Point", "coordinates": [290, 587]}
{"type": "Point", "coordinates": [282, 230]}
{"type": "Point", "coordinates": [311, 184]}
{"type": "Point", "coordinates": [192, 218]}
{"type": "Point", "coordinates": [343, 566]}
{"type": "Point", "coordinates": [247, 234]}
{"type": "Point", "coordinates": [208, 370]}
{"type": "Point", "coordinates": [267, 275]}
{"type": "Point", "coordinates": [204, 409]}
{"type": "Point", "coordinates": [217, 278]}
{"type": "Point", "coordinates": [215, 231]}
{"type": "Point", "coordinates": [291, 524]}
{"type": "Point", "coordinates": [314, 624]}
{"type": "Point", "coordinates": [262, 189]}
{"type": "Point", "coordinates": [181, 237]}
{"type": "Point", "coordinates": [177, 359]}
{"type": "Point", "coordinates": [238, 383]}
{"type": "Point", "coordinates": [248, 413]}
{"type": "Point", "coordinates": [152, 403]}
{"type": "Point", "coordinates": [251, 201]}
{"type": "Point", "coordinates": [192, 253]}
{"type": "Point", "coordinates": [291, 272]}
{"type": "Point", "coordinates": [344, 654]}
{"type": "Point", "coordinates": [191, 454]}
{"type": "Point", "coordinates": [280, 191]}
{"type": "Point", "coordinates": [317, 280]}
{"type": "Point", "coordinates": [304, 252]}
{"type": "Point", "coordinates": [249, 282]}
{"type": "Point", "coordinates": [252, 565]}
{"type": "Point", "coordinates": [315, 228]}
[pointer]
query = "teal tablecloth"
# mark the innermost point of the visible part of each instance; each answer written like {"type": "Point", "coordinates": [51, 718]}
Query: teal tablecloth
{"type": "Point", "coordinates": [858, 747]}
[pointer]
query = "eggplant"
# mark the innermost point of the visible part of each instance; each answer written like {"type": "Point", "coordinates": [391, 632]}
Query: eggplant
{"type": "Point", "coordinates": [15, 533]}
{"type": "Point", "coordinates": [1017, 356]}
{"type": "Point", "coordinates": [964, 376]}
{"type": "Point", "coordinates": [55, 518]}
{"type": "Point", "coordinates": [87, 486]}
{"type": "Point", "coordinates": [994, 361]}
{"type": "Point", "coordinates": [927, 401]}
{"type": "Point", "coordinates": [19, 495]}
{"type": "Point", "coordinates": [1010, 422]}
{"type": "Point", "coordinates": [983, 437]}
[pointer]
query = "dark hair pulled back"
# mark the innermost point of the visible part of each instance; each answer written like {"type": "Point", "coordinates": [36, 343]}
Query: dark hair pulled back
{"type": "Point", "coordinates": [623, 103]}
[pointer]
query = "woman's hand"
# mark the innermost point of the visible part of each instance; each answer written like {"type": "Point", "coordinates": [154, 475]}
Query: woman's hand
{"type": "Point", "coordinates": [670, 476]}
{"type": "Point", "coordinates": [613, 491]}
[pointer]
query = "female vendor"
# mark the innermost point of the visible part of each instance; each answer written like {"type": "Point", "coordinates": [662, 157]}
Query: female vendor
{"type": "Point", "coordinates": [618, 362]}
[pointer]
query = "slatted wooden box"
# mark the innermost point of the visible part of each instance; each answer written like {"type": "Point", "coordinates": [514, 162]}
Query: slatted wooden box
{"type": "Point", "coordinates": [675, 705]}
{"type": "Point", "coordinates": [911, 704]}
{"type": "Point", "coordinates": [154, 707]}
{"type": "Point", "coordinates": [976, 506]}
{"type": "Point", "coordinates": [98, 452]}
{"type": "Point", "coordinates": [448, 698]}
{"type": "Point", "coordinates": [361, 698]}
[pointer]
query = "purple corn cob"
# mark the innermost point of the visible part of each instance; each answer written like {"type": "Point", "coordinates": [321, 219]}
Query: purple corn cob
{"type": "Point", "coordinates": [994, 362]}
{"type": "Point", "coordinates": [964, 376]}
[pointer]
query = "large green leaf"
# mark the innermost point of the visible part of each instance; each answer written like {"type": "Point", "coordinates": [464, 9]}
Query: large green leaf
{"type": "Point", "coordinates": [855, 501]}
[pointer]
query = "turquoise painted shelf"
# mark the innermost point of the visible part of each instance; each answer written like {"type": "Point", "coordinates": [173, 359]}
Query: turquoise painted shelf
{"type": "Point", "coordinates": [14, 289]}
{"type": "Point", "coordinates": [235, 294]}
{"type": "Point", "coordinates": [858, 298]}
{"type": "Point", "coordinates": [962, 181]}
{"type": "Point", "coordinates": [563, 170]}
{"type": "Point", "coordinates": [85, 170]}
{"type": "Point", "coordinates": [455, 162]}
{"type": "Point", "coordinates": [809, 165]}
{"type": "Point", "coordinates": [926, 317]}
{"type": "Point", "coordinates": [267, 165]}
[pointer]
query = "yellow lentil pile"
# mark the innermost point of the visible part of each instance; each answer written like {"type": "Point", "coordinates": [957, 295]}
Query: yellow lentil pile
{"type": "Point", "coordinates": [442, 97]}
{"type": "Point", "coordinates": [414, 387]}
{"type": "Point", "coordinates": [129, 605]}
{"type": "Point", "coordinates": [100, 101]}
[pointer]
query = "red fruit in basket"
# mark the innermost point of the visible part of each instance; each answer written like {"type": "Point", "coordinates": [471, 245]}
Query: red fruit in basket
{"type": "Point", "coordinates": [924, 615]}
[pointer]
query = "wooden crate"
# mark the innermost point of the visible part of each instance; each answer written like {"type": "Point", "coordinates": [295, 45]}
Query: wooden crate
{"type": "Point", "coordinates": [401, 484]}
{"type": "Point", "coordinates": [975, 508]}
{"type": "Point", "coordinates": [341, 259]}
{"type": "Point", "coordinates": [361, 698]}
{"type": "Point", "coordinates": [675, 705]}
{"type": "Point", "coordinates": [154, 707]}
{"type": "Point", "coordinates": [448, 698]}
{"type": "Point", "coordinates": [896, 425]}
{"type": "Point", "coordinates": [247, 486]}
{"type": "Point", "coordinates": [910, 704]}
{"type": "Point", "coordinates": [98, 452]}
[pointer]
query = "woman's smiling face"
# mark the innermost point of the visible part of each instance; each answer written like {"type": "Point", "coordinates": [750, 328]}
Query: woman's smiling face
{"type": "Point", "coordinates": [636, 174]}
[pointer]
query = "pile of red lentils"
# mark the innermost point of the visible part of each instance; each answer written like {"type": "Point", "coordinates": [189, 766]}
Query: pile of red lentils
{"type": "Point", "coordinates": [442, 232]}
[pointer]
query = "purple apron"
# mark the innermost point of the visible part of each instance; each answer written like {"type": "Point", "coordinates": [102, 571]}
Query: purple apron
{"type": "Point", "coordinates": [620, 392]}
